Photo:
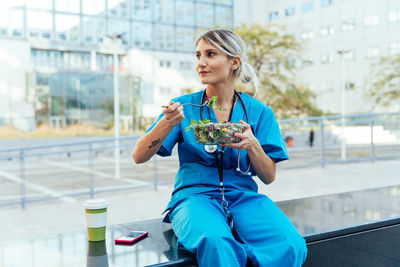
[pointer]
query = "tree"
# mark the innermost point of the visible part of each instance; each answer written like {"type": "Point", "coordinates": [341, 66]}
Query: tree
{"type": "Point", "coordinates": [273, 53]}
{"type": "Point", "coordinates": [385, 81]}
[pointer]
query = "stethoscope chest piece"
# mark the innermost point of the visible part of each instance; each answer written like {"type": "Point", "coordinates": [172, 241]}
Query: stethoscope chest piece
{"type": "Point", "coordinates": [210, 148]}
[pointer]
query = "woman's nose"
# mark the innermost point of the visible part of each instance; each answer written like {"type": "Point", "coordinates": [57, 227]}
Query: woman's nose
{"type": "Point", "coordinates": [201, 62]}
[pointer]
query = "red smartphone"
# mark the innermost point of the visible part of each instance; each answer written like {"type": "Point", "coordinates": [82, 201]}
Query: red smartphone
{"type": "Point", "coordinates": [131, 237]}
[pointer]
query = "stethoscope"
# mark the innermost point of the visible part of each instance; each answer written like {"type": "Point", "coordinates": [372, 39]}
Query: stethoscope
{"type": "Point", "coordinates": [219, 157]}
{"type": "Point", "coordinates": [213, 148]}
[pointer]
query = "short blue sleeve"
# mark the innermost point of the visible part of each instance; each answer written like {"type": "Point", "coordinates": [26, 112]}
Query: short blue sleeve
{"type": "Point", "coordinates": [170, 141]}
{"type": "Point", "coordinates": [270, 137]}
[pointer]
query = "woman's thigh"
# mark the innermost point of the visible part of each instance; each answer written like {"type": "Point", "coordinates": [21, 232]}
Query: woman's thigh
{"type": "Point", "coordinates": [270, 237]}
{"type": "Point", "coordinates": [198, 216]}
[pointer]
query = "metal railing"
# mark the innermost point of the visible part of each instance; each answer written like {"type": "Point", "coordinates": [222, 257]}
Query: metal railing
{"type": "Point", "coordinates": [71, 169]}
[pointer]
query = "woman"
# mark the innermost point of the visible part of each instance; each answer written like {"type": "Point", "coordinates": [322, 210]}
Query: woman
{"type": "Point", "coordinates": [215, 209]}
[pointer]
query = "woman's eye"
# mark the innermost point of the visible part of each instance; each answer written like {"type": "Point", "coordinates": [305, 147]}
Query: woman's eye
{"type": "Point", "coordinates": [211, 54]}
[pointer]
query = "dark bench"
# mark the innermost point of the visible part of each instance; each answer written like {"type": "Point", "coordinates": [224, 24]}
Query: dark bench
{"type": "Point", "coordinates": [360, 228]}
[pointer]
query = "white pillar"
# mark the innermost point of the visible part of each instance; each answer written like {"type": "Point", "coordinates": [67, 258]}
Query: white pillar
{"type": "Point", "coordinates": [116, 116]}
{"type": "Point", "coordinates": [343, 112]}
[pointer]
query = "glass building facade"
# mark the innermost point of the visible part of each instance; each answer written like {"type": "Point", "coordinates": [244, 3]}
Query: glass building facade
{"type": "Point", "coordinates": [72, 75]}
{"type": "Point", "coordinates": [168, 25]}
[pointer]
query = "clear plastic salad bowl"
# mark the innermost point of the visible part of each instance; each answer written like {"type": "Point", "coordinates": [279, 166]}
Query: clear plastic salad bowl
{"type": "Point", "coordinates": [215, 133]}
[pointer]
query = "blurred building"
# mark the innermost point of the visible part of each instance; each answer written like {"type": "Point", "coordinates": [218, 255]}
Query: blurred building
{"type": "Point", "coordinates": [56, 59]}
{"type": "Point", "coordinates": [363, 30]}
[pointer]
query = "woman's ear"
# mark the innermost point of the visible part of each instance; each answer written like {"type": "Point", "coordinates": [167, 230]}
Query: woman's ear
{"type": "Point", "coordinates": [235, 62]}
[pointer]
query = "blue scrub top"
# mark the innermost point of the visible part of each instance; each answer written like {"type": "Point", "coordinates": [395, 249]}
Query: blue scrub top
{"type": "Point", "coordinates": [198, 172]}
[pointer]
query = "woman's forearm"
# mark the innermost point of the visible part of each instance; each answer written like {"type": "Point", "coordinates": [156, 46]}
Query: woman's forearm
{"type": "Point", "coordinates": [262, 164]}
{"type": "Point", "coordinates": [150, 143]}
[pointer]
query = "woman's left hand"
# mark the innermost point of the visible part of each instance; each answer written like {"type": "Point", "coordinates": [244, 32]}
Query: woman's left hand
{"type": "Point", "coordinates": [248, 140]}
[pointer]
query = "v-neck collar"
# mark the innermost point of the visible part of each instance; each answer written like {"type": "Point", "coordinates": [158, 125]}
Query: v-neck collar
{"type": "Point", "coordinates": [235, 113]}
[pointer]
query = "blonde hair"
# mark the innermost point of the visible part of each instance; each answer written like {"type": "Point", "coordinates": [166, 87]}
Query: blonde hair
{"type": "Point", "coordinates": [232, 45]}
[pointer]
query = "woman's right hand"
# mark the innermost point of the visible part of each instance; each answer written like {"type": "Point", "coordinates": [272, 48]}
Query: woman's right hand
{"type": "Point", "coordinates": [173, 114]}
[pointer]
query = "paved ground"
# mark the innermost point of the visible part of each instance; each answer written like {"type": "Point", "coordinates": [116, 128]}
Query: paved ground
{"type": "Point", "coordinates": [43, 218]}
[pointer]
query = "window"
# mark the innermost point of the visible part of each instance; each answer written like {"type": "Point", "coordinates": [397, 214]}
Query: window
{"type": "Point", "coordinates": [11, 22]}
{"type": "Point", "coordinates": [327, 59]}
{"type": "Point", "coordinates": [290, 11]}
{"type": "Point", "coordinates": [119, 26]}
{"type": "Point", "coordinates": [204, 15]}
{"type": "Point", "coordinates": [308, 61]}
{"type": "Point", "coordinates": [394, 48]}
{"type": "Point", "coordinates": [307, 6]}
{"type": "Point", "coordinates": [184, 39]}
{"type": "Point", "coordinates": [372, 52]}
{"type": "Point", "coordinates": [93, 7]}
{"type": "Point", "coordinates": [307, 35]}
{"type": "Point", "coordinates": [273, 16]}
{"type": "Point", "coordinates": [72, 6]}
{"type": "Point", "coordinates": [40, 4]}
{"type": "Point", "coordinates": [325, 3]}
{"type": "Point", "coordinates": [185, 65]}
{"type": "Point", "coordinates": [224, 2]}
{"type": "Point", "coordinates": [184, 13]}
{"type": "Point", "coordinates": [67, 28]}
{"type": "Point", "coordinates": [371, 20]}
{"type": "Point", "coordinates": [164, 37]}
{"type": "Point", "coordinates": [104, 62]}
{"type": "Point", "coordinates": [327, 30]}
{"type": "Point", "coordinates": [118, 8]}
{"type": "Point", "coordinates": [142, 35]}
{"type": "Point", "coordinates": [223, 16]}
{"type": "Point", "coordinates": [94, 29]}
{"type": "Point", "coordinates": [163, 11]}
{"type": "Point", "coordinates": [40, 24]}
{"type": "Point", "coordinates": [394, 16]}
{"type": "Point", "coordinates": [165, 63]}
{"type": "Point", "coordinates": [348, 25]}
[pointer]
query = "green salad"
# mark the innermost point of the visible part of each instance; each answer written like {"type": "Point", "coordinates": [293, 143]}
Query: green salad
{"type": "Point", "coordinates": [210, 133]}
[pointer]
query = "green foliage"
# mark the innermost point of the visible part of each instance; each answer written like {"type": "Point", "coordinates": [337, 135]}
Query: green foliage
{"type": "Point", "coordinates": [385, 81]}
{"type": "Point", "coordinates": [272, 52]}
{"type": "Point", "coordinates": [194, 122]}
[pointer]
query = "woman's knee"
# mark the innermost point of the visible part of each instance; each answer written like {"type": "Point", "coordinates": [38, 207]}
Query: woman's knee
{"type": "Point", "coordinates": [298, 248]}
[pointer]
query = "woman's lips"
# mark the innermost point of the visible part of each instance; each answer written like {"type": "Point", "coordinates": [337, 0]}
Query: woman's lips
{"type": "Point", "coordinates": [203, 72]}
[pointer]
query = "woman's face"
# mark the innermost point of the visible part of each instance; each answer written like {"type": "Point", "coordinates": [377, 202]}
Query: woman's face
{"type": "Point", "coordinates": [213, 65]}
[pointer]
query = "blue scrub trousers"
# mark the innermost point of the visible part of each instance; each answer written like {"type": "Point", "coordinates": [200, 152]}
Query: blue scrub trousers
{"type": "Point", "coordinates": [262, 233]}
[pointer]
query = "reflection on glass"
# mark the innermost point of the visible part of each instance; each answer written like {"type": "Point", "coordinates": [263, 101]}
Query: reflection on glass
{"type": "Point", "coordinates": [93, 7]}
{"type": "Point", "coordinates": [72, 6]}
{"type": "Point", "coordinates": [142, 35]}
{"type": "Point", "coordinates": [223, 16]}
{"type": "Point", "coordinates": [11, 22]}
{"type": "Point", "coordinates": [141, 10]}
{"type": "Point", "coordinates": [67, 28]}
{"type": "Point", "coordinates": [116, 26]}
{"type": "Point", "coordinates": [97, 254]}
{"type": "Point", "coordinates": [164, 37]}
{"type": "Point", "coordinates": [224, 2]}
{"type": "Point", "coordinates": [184, 13]}
{"type": "Point", "coordinates": [164, 11]}
{"type": "Point", "coordinates": [118, 8]}
{"type": "Point", "coordinates": [184, 39]}
{"type": "Point", "coordinates": [204, 15]}
{"type": "Point", "coordinates": [94, 29]}
{"type": "Point", "coordinates": [40, 4]}
{"type": "Point", "coordinates": [39, 24]}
